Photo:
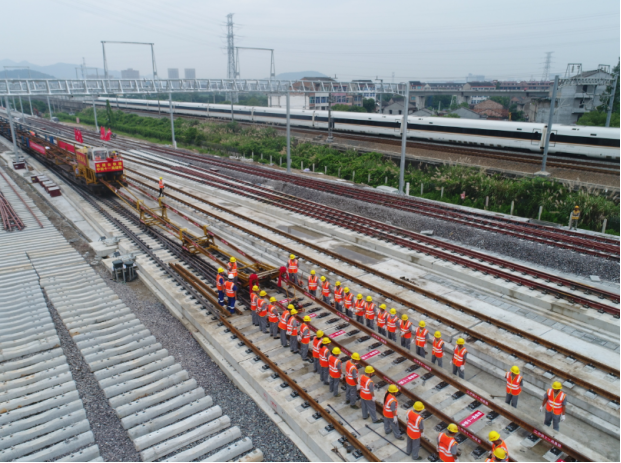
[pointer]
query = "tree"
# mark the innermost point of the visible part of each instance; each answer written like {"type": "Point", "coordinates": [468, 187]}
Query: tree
{"type": "Point", "coordinates": [369, 104]}
{"type": "Point", "coordinates": [505, 101]}
{"type": "Point", "coordinates": [598, 118]}
{"type": "Point", "coordinates": [109, 115]}
{"type": "Point", "coordinates": [515, 114]}
{"type": "Point", "coordinates": [605, 98]}
{"type": "Point", "coordinates": [453, 115]}
{"type": "Point", "coordinates": [340, 107]}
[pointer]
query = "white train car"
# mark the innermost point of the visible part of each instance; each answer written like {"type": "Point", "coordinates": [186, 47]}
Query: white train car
{"type": "Point", "coordinates": [598, 142]}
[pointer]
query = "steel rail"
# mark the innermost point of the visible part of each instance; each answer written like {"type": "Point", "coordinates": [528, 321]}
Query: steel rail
{"type": "Point", "coordinates": [22, 200]}
{"type": "Point", "coordinates": [446, 320]}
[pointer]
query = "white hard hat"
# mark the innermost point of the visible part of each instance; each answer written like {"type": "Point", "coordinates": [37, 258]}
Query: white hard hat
{"type": "Point", "coordinates": [231, 276]}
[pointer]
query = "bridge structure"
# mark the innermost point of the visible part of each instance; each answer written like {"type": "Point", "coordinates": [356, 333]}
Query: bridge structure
{"type": "Point", "coordinates": [419, 96]}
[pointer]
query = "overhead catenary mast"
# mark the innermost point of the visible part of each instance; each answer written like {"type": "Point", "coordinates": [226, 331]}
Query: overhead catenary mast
{"type": "Point", "coordinates": [230, 41]}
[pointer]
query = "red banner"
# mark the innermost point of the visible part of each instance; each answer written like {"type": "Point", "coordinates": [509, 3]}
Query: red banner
{"type": "Point", "coordinates": [78, 135]}
{"type": "Point", "coordinates": [472, 418]}
{"type": "Point", "coordinates": [108, 135]}
{"type": "Point", "coordinates": [66, 146]}
{"type": "Point", "coordinates": [38, 148]}
{"type": "Point", "coordinates": [81, 158]}
{"type": "Point", "coordinates": [108, 166]}
{"type": "Point", "coordinates": [409, 378]}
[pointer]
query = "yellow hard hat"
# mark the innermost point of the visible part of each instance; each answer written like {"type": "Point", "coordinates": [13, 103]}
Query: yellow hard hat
{"type": "Point", "coordinates": [262, 293]}
{"type": "Point", "coordinates": [576, 207]}
{"type": "Point", "coordinates": [418, 406]}
{"type": "Point", "coordinates": [392, 389]}
{"type": "Point", "coordinates": [319, 333]}
{"type": "Point", "coordinates": [293, 311]}
{"type": "Point", "coordinates": [393, 311]}
{"type": "Point", "coordinates": [500, 453]}
{"type": "Point", "coordinates": [272, 299]}
{"type": "Point", "coordinates": [338, 283]}
{"type": "Point", "coordinates": [292, 256]}
{"type": "Point", "coordinates": [461, 342]}
{"type": "Point", "coordinates": [494, 436]}
{"type": "Point", "coordinates": [220, 270]}
{"type": "Point", "coordinates": [161, 179]}
{"type": "Point", "coordinates": [255, 288]}
{"type": "Point", "coordinates": [369, 369]}
{"type": "Point", "coordinates": [306, 318]}
{"type": "Point", "coordinates": [404, 317]}
{"type": "Point", "coordinates": [323, 278]}
{"type": "Point", "coordinates": [452, 428]}
{"type": "Point", "coordinates": [325, 341]}
{"type": "Point", "coordinates": [346, 290]}
{"type": "Point", "coordinates": [556, 385]}
{"type": "Point", "coordinates": [437, 334]}
{"type": "Point", "coordinates": [355, 356]}
{"type": "Point", "coordinates": [359, 296]}
{"type": "Point", "coordinates": [369, 298]}
{"type": "Point", "coordinates": [515, 370]}
{"type": "Point", "coordinates": [336, 351]}
{"type": "Point", "coordinates": [383, 306]}
{"type": "Point", "coordinates": [422, 324]}
{"type": "Point", "coordinates": [290, 306]}
{"type": "Point", "coordinates": [312, 272]}
{"type": "Point", "coordinates": [233, 259]}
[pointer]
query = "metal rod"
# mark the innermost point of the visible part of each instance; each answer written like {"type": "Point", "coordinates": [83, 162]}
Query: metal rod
{"type": "Point", "coordinates": [49, 107]}
{"type": "Point", "coordinates": [95, 114]}
{"type": "Point", "coordinates": [103, 46]}
{"type": "Point", "coordinates": [549, 130]}
{"type": "Point", "coordinates": [404, 136]}
{"type": "Point", "coordinates": [172, 121]}
{"type": "Point", "coordinates": [21, 106]}
{"type": "Point", "coordinates": [512, 204]}
{"type": "Point", "coordinates": [288, 134]}
{"type": "Point", "coordinates": [604, 225]}
{"type": "Point", "coordinates": [30, 101]}
{"type": "Point", "coordinates": [612, 99]}
{"type": "Point", "coordinates": [540, 211]}
{"type": "Point", "coordinates": [329, 139]}
{"type": "Point", "coordinates": [8, 111]}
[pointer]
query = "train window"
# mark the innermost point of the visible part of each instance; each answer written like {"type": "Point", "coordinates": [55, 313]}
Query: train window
{"type": "Point", "coordinates": [594, 135]}
{"type": "Point", "coordinates": [519, 129]}
{"type": "Point", "coordinates": [431, 122]}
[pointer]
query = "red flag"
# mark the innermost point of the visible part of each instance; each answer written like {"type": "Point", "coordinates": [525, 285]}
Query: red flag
{"type": "Point", "coordinates": [102, 133]}
{"type": "Point", "coordinates": [108, 135]}
{"type": "Point", "coordinates": [463, 195]}
{"type": "Point", "coordinates": [78, 136]}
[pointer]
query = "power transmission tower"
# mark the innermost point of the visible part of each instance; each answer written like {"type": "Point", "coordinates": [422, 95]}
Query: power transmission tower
{"type": "Point", "coordinates": [546, 66]}
{"type": "Point", "coordinates": [230, 40]}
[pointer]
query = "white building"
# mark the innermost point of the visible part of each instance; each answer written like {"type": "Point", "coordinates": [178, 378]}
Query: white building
{"type": "Point", "coordinates": [130, 74]}
{"type": "Point", "coordinates": [475, 100]}
{"type": "Point", "coordinates": [173, 73]}
{"type": "Point", "coordinates": [189, 73]}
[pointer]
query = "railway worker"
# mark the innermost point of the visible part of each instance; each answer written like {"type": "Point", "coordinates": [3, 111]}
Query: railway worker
{"type": "Point", "coordinates": [254, 299]}
{"type": "Point", "coordinates": [282, 325]}
{"type": "Point", "coordinates": [220, 286]}
{"type": "Point", "coordinates": [514, 386]}
{"type": "Point", "coordinates": [273, 318]}
{"type": "Point", "coordinates": [366, 386]}
{"type": "Point", "coordinates": [415, 430]}
{"type": "Point", "coordinates": [292, 269]}
{"type": "Point", "coordinates": [161, 186]}
{"type": "Point", "coordinates": [292, 331]}
{"type": "Point", "coordinates": [381, 320]}
{"type": "Point", "coordinates": [316, 348]}
{"type": "Point", "coordinates": [338, 296]}
{"type": "Point", "coordinates": [459, 358]}
{"type": "Point", "coordinates": [447, 445]}
{"type": "Point", "coordinates": [497, 443]}
{"type": "Point", "coordinates": [391, 325]}
{"type": "Point", "coordinates": [324, 354]}
{"type": "Point", "coordinates": [348, 302]}
{"type": "Point", "coordinates": [391, 405]}
{"type": "Point", "coordinates": [231, 293]}
{"type": "Point", "coordinates": [359, 307]}
{"type": "Point", "coordinates": [422, 336]}
{"type": "Point", "coordinates": [498, 455]}
{"type": "Point", "coordinates": [262, 307]}
{"type": "Point", "coordinates": [405, 330]}
{"type": "Point", "coordinates": [351, 380]}
{"type": "Point", "coordinates": [554, 400]}
{"type": "Point", "coordinates": [304, 337]}
{"type": "Point", "coordinates": [325, 290]}
{"type": "Point", "coordinates": [370, 312]}
{"type": "Point", "coordinates": [335, 367]}
{"type": "Point", "coordinates": [232, 268]}
{"type": "Point", "coordinates": [313, 282]}
{"type": "Point", "coordinates": [437, 349]}
{"type": "Point", "coordinates": [575, 217]}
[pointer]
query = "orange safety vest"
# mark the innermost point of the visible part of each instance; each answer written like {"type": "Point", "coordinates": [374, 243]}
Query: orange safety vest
{"type": "Point", "coordinates": [445, 445]}
{"type": "Point", "coordinates": [273, 314]}
{"type": "Point", "coordinates": [228, 287]}
{"type": "Point", "coordinates": [335, 367]}
{"type": "Point", "coordinates": [253, 301]}
{"type": "Point", "coordinates": [349, 372]}
{"type": "Point", "coordinates": [304, 333]}
{"type": "Point", "coordinates": [381, 319]}
{"type": "Point", "coordinates": [414, 420]}
{"type": "Point", "coordinates": [359, 307]}
{"type": "Point", "coordinates": [365, 390]}
{"type": "Point", "coordinates": [161, 183]}
{"type": "Point", "coordinates": [325, 288]}
{"type": "Point", "coordinates": [388, 413]}
{"type": "Point", "coordinates": [232, 266]}
{"type": "Point", "coordinates": [312, 282]}
{"type": "Point", "coordinates": [338, 294]}
{"type": "Point", "coordinates": [220, 282]}
{"type": "Point", "coordinates": [438, 348]}
{"type": "Point", "coordinates": [370, 310]}
{"type": "Point", "coordinates": [555, 404]}
{"type": "Point", "coordinates": [349, 300]}
{"type": "Point", "coordinates": [292, 330]}
{"type": "Point", "coordinates": [323, 356]}
{"type": "Point", "coordinates": [502, 445]}
{"type": "Point", "coordinates": [391, 323]}
{"type": "Point", "coordinates": [262, 308]}
{"type": "Point", "coordinates": [293, 266]}
{"type": "Point", "coordinates": [316, 347]}
{"type": "Point", "coordinates": [405, 327]}
{"type": "Point", "coordinates": [513, 384]}
{"type": "Point", "coordinates": [284, 320]}
{"type": "Point", "coordinates": [458, 356]}
{"type": "Point", "coordinates": [421, 336]}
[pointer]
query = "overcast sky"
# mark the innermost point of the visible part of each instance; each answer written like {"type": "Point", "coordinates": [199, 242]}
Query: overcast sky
{"type": "Point", "coordinates": [352, 39]}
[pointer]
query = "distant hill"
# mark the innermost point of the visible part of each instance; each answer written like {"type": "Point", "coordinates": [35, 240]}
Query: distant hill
{"type": "Point", "coordinates": [23, 74]}
{"type": "Point", "coordinates": [299, 75]}
{"type": "Point", "coordinates": [58, 70]}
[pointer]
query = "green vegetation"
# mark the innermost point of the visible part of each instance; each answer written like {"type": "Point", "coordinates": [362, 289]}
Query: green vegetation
{"type": "Point", "coordinates": [557, 199]}
{"type": "Point", "coordinates": [351, 109]}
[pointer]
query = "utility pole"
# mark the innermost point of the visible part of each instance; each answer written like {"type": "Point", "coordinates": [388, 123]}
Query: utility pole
{"type": "Point", "coordinates": [8, 111]}
{"type": "Point", "coordinates": [172, 121]}
{"type": "Point", "coordinates": [230, 40]}
{"type": "Point", "coordinates": [612, 100]}
{"type": "Point", "coordinates": [288, 133]}
{"type": "Point", "coordinates": [95, 114]}
{"type": "Point", "coordinates": [329, 139]}
{"type": "Point", "coordinates": [546, 66]}
{"type": "Point", "coordinates": [549, 130]}
{"type": "Point", "coordinates": [404, 136]}
{"type": "Point", "coordinates": [380, 94]}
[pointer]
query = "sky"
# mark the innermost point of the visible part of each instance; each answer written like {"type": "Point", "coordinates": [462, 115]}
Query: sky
{"type": "Point", "coordinates": [349, 39]}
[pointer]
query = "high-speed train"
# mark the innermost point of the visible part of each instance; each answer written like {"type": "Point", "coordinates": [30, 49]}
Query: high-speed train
{"type": "Point", "coordinates": [599, 142]}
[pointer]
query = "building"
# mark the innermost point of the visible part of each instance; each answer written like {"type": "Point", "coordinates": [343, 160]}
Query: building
{"type": "Point", "coordinates": [424, 113]}
{"type": "Point", "coordinates": [130, 74]}
{"type": "Point", "coordinates": [478, 86]}
{"type": "Point", "coordinates": [173, 73]}
{"type": "Point", "coordinates": [465, 113]}
{"type": "Point", "coordinates": [189, 73]}
{"type": "Point", "coordinates": [491, 110]}
{"type": "Point", "coordinates": [475, 100]}
{"type": "Point", "coordinates": [313, 98]}
{"type": "Point", "coordinates": [396, 108]}
{"type": "Point", "coordinates": [442, 86]}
